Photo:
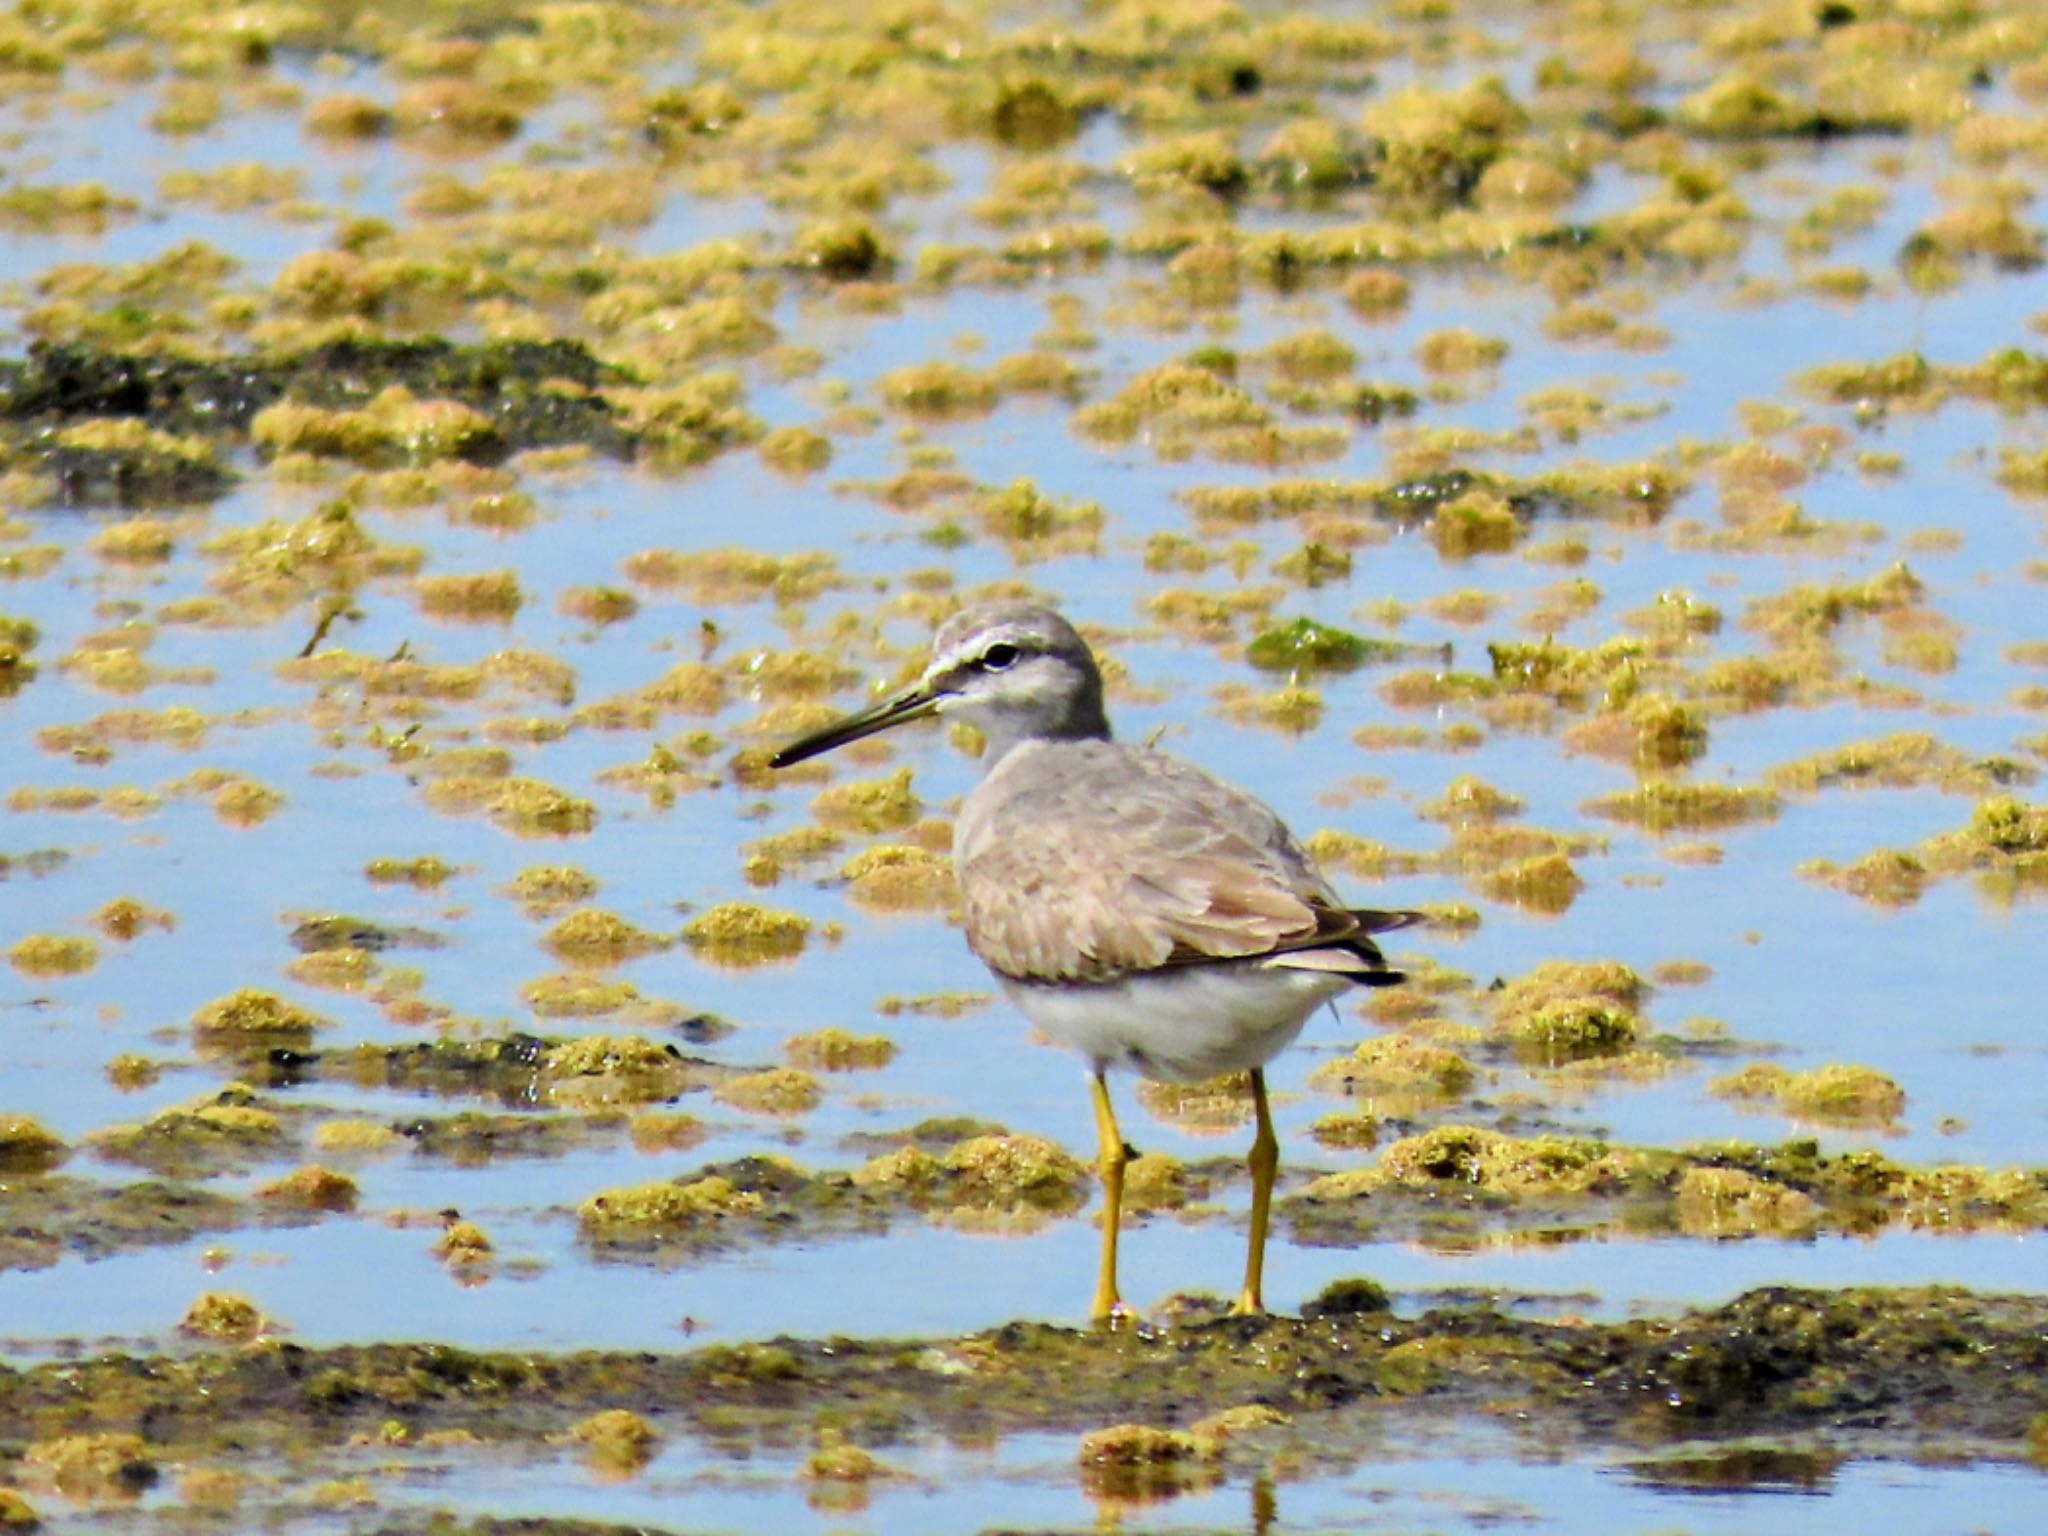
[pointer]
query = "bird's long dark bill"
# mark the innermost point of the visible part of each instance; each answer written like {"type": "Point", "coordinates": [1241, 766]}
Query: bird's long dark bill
{"type": "Point", "coordinates": [913, 703]}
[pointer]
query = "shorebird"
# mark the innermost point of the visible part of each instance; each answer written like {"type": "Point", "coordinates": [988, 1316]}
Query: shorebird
{"type": "Point", "coordinates": [1136, 908]}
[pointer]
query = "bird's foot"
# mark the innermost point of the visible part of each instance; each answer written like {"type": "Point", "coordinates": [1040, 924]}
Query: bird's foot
{"type": "Point", "coordinates": [1113, 1316]}
{"type": "Point", "coordinates": [1249, 1304]}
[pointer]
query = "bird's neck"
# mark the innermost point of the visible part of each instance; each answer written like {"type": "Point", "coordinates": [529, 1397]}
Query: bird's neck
{"type": "Point", "coordinates": [1005, 732]}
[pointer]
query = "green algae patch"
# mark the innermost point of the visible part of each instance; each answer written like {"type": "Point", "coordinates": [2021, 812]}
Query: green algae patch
{"type": "Point", "coordinates": [617, 1439]}
{"type": "Point", "coordinates": [522, 807]}
{"type": "Point", "coordinates": [1185, 408]}
{"type": "Point", "coordinates": [869, 806]}
{"type": "Point", "coordinates": [49, 1217]}
{"type": "Point", "coordinates": [1346, 1132]}
{"type": "Point", "coordinates": [491, 596]}
{"type": "Point", "coordinates": [721, 576]}
{"type": "Point", "coordinates": [311, 1188]}
{"type": "Point", "coordinates": [339, 970]}
{"type": "Point", "coordinates": [596, 938]}
{"type": "Point", "coordinates": [654, 1131]}
{"type": "Point", "coordinates": [1836, 1094]}
{"type": "Point", "coordinates": [424, 872]}
{"type": "Point", "coordinates": [992, 1182]}
{"type": "Point", "coordinates": [113, 1468]}
{"type": "Point", "coordinates": [516, 1071]}
{"type": "Point", "coordinates": [839, 1050]}
{"type": "Point", "coordinates": [124, 919]}
{"type": "Point", "coordinates": [2003, 834]}
{"type": "Point", "coordinates": [1575, 1029]}
{"type": "Point", "coordinates": [221, 1317]}
{"type": "Point", "coordinates": [1872, 1368]}
{"type": "Point", "coordinates": [776, 1091]}
{"type": "Point", "coordinates": [895, 877]}
{"type": "Point", "coordinates": [1661, 806]}
{"type": "Point", "coordinates": [254, 1020]}
{"type": "Point", "coordinates": [1731, 1202]}
{"type": "Point", "coordinates": [47, 954]}
{"type": "Point", "coordinates": [607, 1070]}
{"type": "Point", "coordinates": [1465, 1157]}
{"type": "Point", "coordinates": [1888, 876]}
{"type": "Point", "coordinates": [28, 1146]}
{"type": "Point", "coordinates": [739, 933]}
{"type": "Point", "coordinates": [463, 1245]}
{"type": "Point", "coordinates": [1398, 1064]}
{"type": "Point", "coordinates": [1558, 981]}
{"type": "Point", "coordinates": [2004, 843]}
{"type": "Point", "coordinates": [938, 389]}
{"type": "Point", "coordinates": [1905, 760]}
{"type": "Point", "coordinates": [217, 1133]}
{"type": "Point", "coordinates": [649, 1211]}
{"type": "Point", "coordinates": [552, 885]}
{"type": "Point", "coordinates": [578, 995]}
{"type": "Point", "coordinates": [1544, 883]}
{"type": "Point", "coordinates": [124, 463]}
{"type": "Point", "coordinates": [17, 638]}
{"type": "Point", "coordinates": [1650, 733]}
{"type": "Point", "coordinates": [1137, 1462]}
{"type": "Point", "coordinates": [1305, 646]}
{"type": "Point", "coordinates": [347, 1138]}
{"type": "Point", "coordinates": [1468, 799]}
{"type": "Point", "coordinates": [475, 1138]}
{"type": "Point", "coordinates": [838, 1460]}
{"type": "Point", "coordinates": [795, 451]}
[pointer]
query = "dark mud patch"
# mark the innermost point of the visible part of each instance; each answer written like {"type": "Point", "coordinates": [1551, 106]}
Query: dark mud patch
{"type": "Point", "coordinates": [45, 1220]}
{"type": "Point", "coordinates": [1458, 1184]}
{"type": "Point", "coordinates": [1864, 1371]}
{"type": "Point", "coordinates": [514, 1071]}
{"type": "Point", "coordinates": [531, 394]}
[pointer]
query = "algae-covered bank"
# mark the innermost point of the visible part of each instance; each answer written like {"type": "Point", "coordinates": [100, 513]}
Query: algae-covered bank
{"type": "Point", "coordinates": [1584, 466]}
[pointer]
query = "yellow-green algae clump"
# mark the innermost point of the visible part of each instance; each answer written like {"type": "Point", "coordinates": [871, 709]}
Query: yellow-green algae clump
{"type": "Point", "coordinates": [1563, 1012]}
{"type": "Point", "coordinates": [612, 1069]}
{"type": "Point", "coordinates": [594, 937]}
{"type": "Point", "coordinates": [46, 954]}
{"type": "Point", "coordinates": [94, 1467]}
{"type": "Point", "coordinates": [1462, 1157]}
{"type": "Point", "coordinates": [897, 877]}
{"type": "Point", "coordinates": [2005, 842]}
{"type": "Point", "coordinates": [839, 1050]}
{"type": "Point", "coordinates": [551, 885]}
{"type": "Point", "coordinates": [741, 933]}
{"type": "Point", "coordinates": [672, 1206]}
{"type": "Point", "coordinates": [776, 1091]}
{"type": "Point", "coordinates": [1732, 1202]}
{"type": "Point", "coordinates": [1842, 1094]}
{"type": "Point", "coordinates": [224, 1318]}
{"type": "Point", "coordinates": [990, 1172]}
{"type": "Point", "coordinates": [618, 1438]}
{"type": "Point", "coordinates": [221, 1126]}
{"type": "Point", "coordinates": [254, 1017]}
{"type": "Point", "coordinates": [1398, 1064]}
{"type": "Point", "coordinates": [869, 806]}
{"type": "Point", "coordinates": [311, 1188]}
{"type": "Point", "coordinates": [27, 1145]}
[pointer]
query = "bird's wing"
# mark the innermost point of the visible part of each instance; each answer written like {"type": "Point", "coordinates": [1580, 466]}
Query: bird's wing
{"type": "Point", "coordinates": [1080, 861]}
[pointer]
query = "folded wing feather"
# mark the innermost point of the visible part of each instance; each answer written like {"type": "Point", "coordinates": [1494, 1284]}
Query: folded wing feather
{"type": "Point", "coordinates": [1080, 861]}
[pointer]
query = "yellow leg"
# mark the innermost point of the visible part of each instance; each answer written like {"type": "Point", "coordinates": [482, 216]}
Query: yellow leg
{"type": "Point", "coordinates": [1265, 1162]}
{"type": "Point", "coordinates": [1110, 1144]}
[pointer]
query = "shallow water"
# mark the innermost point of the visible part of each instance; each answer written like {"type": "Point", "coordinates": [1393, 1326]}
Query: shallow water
{"type": "Point", "coordinates": [1940, 995]}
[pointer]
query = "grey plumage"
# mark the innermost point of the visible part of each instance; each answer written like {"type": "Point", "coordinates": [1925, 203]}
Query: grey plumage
{"type": "Point", "coordinates": [1082, 861]}
{"type": "Point", "coordinates": [1137, 909]}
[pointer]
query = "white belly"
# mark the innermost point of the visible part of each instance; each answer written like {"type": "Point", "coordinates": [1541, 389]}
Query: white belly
{"type": "Point", "coordinates": [1180, 1026]}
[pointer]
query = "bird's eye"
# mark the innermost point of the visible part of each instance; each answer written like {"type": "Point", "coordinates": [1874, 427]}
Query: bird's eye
{"type": "Point", "coordinates": [1000, 657]}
